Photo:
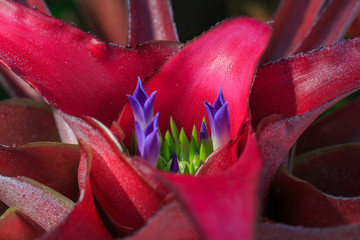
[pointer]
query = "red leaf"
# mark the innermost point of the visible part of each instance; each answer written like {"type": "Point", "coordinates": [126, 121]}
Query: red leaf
{"type": "Point", "coordinates": [83, 223]}
{"type": "Point", "coordinates": [292, 22]}
{"type": "Point", "coordinates": [39, 4]}
{"type": "Point", "coordinates": [52, 164]}
{"type": "Point", "coordinates": [338, 127]}
{"type": "Point", "coordinates": [225, 57]}
{"type": "Point", "coordinates": [38, 202]}
{"type": "Point", "coordinates": [125, 195]}
{"type": "Point", "coordinates": [296, 202]}
{"type": "Point", "coordinates": [15, 227]}
{"type": "Point", "coordinates": [169, 223]}
{"type": "Point", "coordinates": [333, 170]}
{"type": "Point", "coordinates": [332, 25]}
{"type": "Point", "coordinates": [107, 19]}
{"type": "Point", "coordinates": [223, 206]}
{"type": "Point", "coordinates": [64, 63]}
{"type": "Point", "coordinates": [151, 20]}
{"type": "Point", "coordinates": [271, 231]}
{"type": "Point", "coordinates": [23, 121]}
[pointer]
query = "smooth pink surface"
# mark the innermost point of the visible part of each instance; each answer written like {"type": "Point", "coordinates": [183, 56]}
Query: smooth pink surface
{"type": "Point", "coordinates": [225, 57]}
{"type": "Point", "coordinates": [63, 63]}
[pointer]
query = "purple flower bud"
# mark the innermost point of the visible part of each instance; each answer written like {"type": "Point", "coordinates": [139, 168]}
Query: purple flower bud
{"type": "Point", "coordinates": [174, 166]}
{"type": "Point", "coordinates": [203, 132]}
{"type": "Point", "coordinates": [142, 105]}
{"type": "Point", "coordinates": [146, 125]}
{"type": "Point", "coordinates": [219, 118]}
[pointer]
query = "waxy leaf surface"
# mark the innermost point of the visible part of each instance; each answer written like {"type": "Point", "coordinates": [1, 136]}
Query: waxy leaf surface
{"type": "Point", "coordinates": [63, 63]}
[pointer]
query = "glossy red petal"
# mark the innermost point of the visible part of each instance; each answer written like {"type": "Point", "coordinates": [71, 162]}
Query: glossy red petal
{"type": "Point", "coordinates": [296, 85]}
{"type": "Point", "coordinates": [108, 19]}
{"type": "Point", "coordinates": [169, 223]}
{"type": "Point", "coordinates": [292, 22]}
{"type": "Point", "coordinates": [226, 57]}
{"type": "Point", "coordinates": [338, 127]}
{"type": "Point", "coordinates": [276, 231]}
{"type": "Point", "coordinates": [125, 195]}
{"type": "Point", "coordinates": [52, 164]}
{"type": "Point", "coordinates": [296, 202]}
{"type": "Point", "coordinates": [333, 170]}
{"type": "Point", "coordinates": [36, 201]}
{"type": "Point", "coordinates": [223, 206]}
{"type": "Point", "coordinates": [150, 20]}
{"type": "Point", "coordinates": [73, 70]}
{"type": "Point", "coordinates": [83, 223]}
{"type": "Point", "coordinates": [332, 25]}
{"type": "Point", "coordinates": [15, 227]}
{"type": "Point", "coordinates": [23, 121]}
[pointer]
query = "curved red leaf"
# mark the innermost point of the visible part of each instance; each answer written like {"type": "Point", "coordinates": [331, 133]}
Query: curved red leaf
{"type": "Point", "coordinates": [292, 22]}
{"type": "Point", "coordinates": [172, 218]}
{"type": "Point", "coordinates": [83, 223]}
{"type": "Point", "coordinates": [150, 20]}
{"type": "Point", "coordinates": [338, 127]}
{"type": "Point", "coordinates": [39, 4]}
{"type": "Point", "coordinates": [296, 202]}
{"type": "Point", "coordinates": [332, 25]}
{"type": "Point", "coordinates": [52, 164]}
{"type": "Point", "coordinates": [276, 231]}
{"type": "Point", "coordinates": [127, 198]}
{"type": "Point", "coordinates": [333, 170]}
{"type": "Point", "coordinates": [225, 57]}
{"type": "Point", "coordinates": [223, 206]}
{"type": "Point", "coordinates": [14, 227]}
{"type": "Point", "coordinates": [63, 63]}
{"type": "Point", "coordinates": [23, 121]}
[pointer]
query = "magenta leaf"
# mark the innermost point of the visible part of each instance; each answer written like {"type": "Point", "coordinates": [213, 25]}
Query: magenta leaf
{"type": "Point", "coordinates": [64, 63]}
{"type": "Point", "coordinates": [23, 121]}
{"type": "Point", "coordinates": [226, 57]}
{"type": "Point", "coordinates": [223, 206]}
{"type": "Point", "coordinates": [172, 218]}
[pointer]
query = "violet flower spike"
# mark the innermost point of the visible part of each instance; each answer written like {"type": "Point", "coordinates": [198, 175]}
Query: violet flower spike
{"type": "Point", "coordinates": [146, 125]}
{"type": "Point", "coordinates": [142, 105]}
{"type": "Point", "coordinates": [203, 132]}
{"type": "Point", "coordinates": [174, 166]}
{"type": "Point", "coordinates": [219, 118]}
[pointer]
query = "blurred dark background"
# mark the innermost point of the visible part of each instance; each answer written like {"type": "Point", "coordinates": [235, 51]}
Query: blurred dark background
{"type": "Point", "coordinates": [192, 17]}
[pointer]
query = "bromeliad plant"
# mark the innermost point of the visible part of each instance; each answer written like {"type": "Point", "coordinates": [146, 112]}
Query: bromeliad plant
{"type": "Point", "coordinates": [87, 81]}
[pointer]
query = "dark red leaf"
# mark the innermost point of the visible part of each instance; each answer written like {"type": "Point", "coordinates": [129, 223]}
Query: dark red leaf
{"type": "Point", "coordinates": [39, 4]}
{"type": "Point", "coordinates": [333, 170]}
{"type": "Point", "coordinates": [225, 57]}
{"type": "Point", "coordinates": [151, 20]}
{"type": "Point", "coordinates": [52, 164]}
{"type": "Point", "coordinates": [296, 202]}
{"type": "Point", "coordinates": [23, 121]}
{"type": "Point", "coordinates": [63, 63]}
{"type": "Point", "coordinates": [332, 25]}
{"type": "Point", "coordinates": [338, 127]}
{"type": "Point", "coordinates": [292, 22]}
{"type": "Point", "coordinates": [276, 231]}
